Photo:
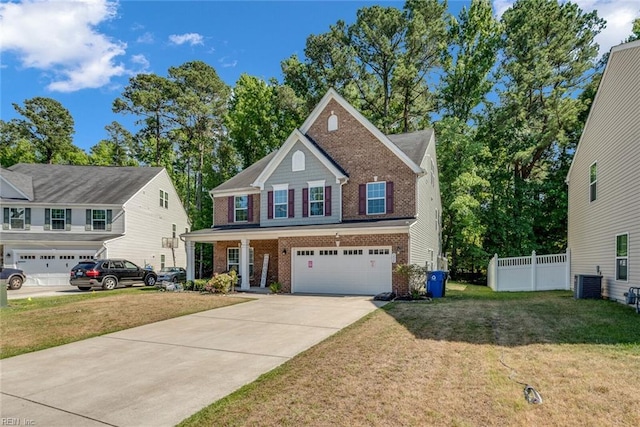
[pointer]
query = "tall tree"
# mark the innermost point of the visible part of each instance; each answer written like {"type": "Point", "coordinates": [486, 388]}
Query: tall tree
{"type": "Point", "coordinates": [547, 59]}
{"type": "Point", "coordinates": [261, 116]}
{"type": "Point", "coordinates": [116, 150]}
{"type": "Point", "coordinates": [48, 125]}
{"type": "Point", "coordinates": [14, 146]}
{"type": "Point", "coordinates": [151, 97]}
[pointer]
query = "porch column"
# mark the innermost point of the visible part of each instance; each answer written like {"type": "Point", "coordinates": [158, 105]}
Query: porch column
{"type": "Point", "coordinates": [191, 256]}
{"type": "Point", "coordinates": [244, 264]}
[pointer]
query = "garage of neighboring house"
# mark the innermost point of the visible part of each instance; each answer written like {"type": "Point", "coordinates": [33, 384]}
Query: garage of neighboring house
{"type": "Point", "coordinates": [348, 270]}
{"type": "Point", "coordinates": [50, 267]}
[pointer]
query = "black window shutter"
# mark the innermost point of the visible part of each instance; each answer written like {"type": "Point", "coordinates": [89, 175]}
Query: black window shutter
{"type": "Point", "coordinates": [231, 209]}
{"type": "Point", "coordinates": [270, 204]}
{"type": "Point", "coordinates": [88, 220]}
{"type": "Point", "coordinates": [327, 200]}
{"type": "Point", "coordinates": [250, 208]}
{"type": "Point", "coordinates": [291, 204]}
{"type": "Point", "coordinates": [27, 218]}
{"type": "Point", "coordinates": [305, 202]}
{"type": "Point", "coordinates": [109, 219]}
{"type": "Point", "coordinates": [47, 219]}
{"type": "Point", "coordinates": [362, 205]}
{"type": "Point", "coordinates": [389, 197]}
{"type": "Point", "coordinates": [68, 219]}
{"type": "Point", "coordinates": [6, 221]}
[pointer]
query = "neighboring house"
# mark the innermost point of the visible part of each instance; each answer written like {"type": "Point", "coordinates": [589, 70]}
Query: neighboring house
{"type": "Point", "coordinates": [334, 210]}
{"type": "Point", "coordinates": [604, 180]}
{"type": "Point", "coordinates": [55, 215]}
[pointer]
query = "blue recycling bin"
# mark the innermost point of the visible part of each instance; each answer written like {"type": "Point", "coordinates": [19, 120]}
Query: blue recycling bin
{"type": "Point", "coordinates": [435, 283]}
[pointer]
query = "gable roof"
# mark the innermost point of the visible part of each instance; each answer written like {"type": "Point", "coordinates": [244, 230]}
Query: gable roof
{"type": "Point", "coordinates": [333, 95]}
{"type": "Point", "coordinates": [615, 50]}
{"type": "Point", "coordinates": [243, 180]}
{"type": "Point", "coordinates": [297, 136]}
{"type": "Point", "coordinates": [106, 185]}
{"type": "Point", "coordinates": [23, 184]}
{"type": "Point", "coordinates": [413, 144]}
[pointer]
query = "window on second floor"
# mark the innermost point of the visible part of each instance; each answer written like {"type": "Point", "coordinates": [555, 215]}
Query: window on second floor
{"type": "Point", "coordinates": [59, 218]}
{"type": "Point", "coordinates": [16, 219]}
{"type": "Point", "coordinates": [280, 203]}
{"type": "Point", "coordinates": [241, 209]}
{"type": "Point", "coordinates": [164, 199]}
{"type": "Point", "coordinates": [593, 182]}
{"type": "Point", "coordinates": [174, 229]}
{"type": "Point", "coordinates": [316, 201]}
{"type": "Point", "coordinates": [376, 195]}
{"type": "Point", "coordinates": [98, 220]}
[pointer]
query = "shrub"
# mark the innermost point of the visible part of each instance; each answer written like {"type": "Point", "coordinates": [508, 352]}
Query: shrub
{"type": "Point", "coordinates": [197, 285]}
{"type": "Point", "coordinates": [222, 282]}
{"type": "Point", "coordinates": [416, 277]}
{"type": "Point", "coordinates": [275, 287]}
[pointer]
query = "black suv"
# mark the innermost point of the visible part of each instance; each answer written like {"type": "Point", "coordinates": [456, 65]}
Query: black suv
{"type": "Point", "coordinates": [108, 273]}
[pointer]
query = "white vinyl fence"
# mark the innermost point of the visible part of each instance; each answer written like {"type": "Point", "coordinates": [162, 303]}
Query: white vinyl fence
{"type": "Point", "coordinates": [530, 273]}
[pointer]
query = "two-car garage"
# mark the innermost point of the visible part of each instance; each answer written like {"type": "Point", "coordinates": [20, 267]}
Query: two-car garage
{"type": "Point", "coordinates": [347, 270]}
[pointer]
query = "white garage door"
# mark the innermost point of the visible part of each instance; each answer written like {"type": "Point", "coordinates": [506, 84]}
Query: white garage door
{"type": "Point", "coordinates": [49, 268]}
{"type": "Point", "coordinates": [335, 270]}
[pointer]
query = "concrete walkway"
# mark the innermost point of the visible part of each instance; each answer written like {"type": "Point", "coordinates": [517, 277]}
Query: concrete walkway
{"type": "Point", "coordinates": [159, 374]}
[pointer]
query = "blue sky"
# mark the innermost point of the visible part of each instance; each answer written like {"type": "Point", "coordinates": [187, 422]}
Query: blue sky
{"type": "Point", "coordinates": [82, 53]}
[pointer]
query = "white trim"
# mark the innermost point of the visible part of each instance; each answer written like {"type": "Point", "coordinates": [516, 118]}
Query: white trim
{"type": "Point", "coordinates": [285, 188]}
{"type": "Point", "coordinates": [594, 182]}
{"type": "Point", "coordinates": [298, 161]}
{"type": "Point", "coordinates": [296, 136]}
{"type": "Point", "coordinates": [236, 209]}
{"type": "Point", "coordinates": [318, 183]}
{"type": "Point", "coordinates": [16, 188]}
{"type": "Point", "coordinates": [621, 257]}
{"type": "Point", "coordinates": [234, 191]}
{"type": "Point", "coordinates": [280, 187]}
{"type": "Point", "coordinates": [332, 94]}
{"type": "Point", "coordinates": [277, 232]}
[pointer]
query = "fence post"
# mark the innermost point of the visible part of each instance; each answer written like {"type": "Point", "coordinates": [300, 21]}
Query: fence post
{"type": "Point", "coordinates": [534, 262]}
{"type": "Point", "coordinates": [568, 270]}
{"type": "Point", "coordinates": [495, 272]}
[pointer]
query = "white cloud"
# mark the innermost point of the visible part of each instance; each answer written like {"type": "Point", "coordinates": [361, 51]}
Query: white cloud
{"type": "Point", "coordinates": [142, 62]}
{"type": "Point", "coordinates": [226, 63]}
{"type": "Point", "coordinates": [146, 38]}
{"type": "Point", "coordinates": [191, 38]}
{"type": "Point", "coordinates": [619, 15]}
{"type": "Point", "coordinates": [61, 38]}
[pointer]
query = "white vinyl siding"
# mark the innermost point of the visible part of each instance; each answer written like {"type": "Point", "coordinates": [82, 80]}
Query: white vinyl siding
{"type": "Point", "coordinates": [611, 136]}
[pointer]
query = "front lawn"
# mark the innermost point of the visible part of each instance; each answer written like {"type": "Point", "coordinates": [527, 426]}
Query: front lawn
{"type": "Point", "coordinates": [457, 361]}
{"type": "Point", "coordinates": [38, 323]}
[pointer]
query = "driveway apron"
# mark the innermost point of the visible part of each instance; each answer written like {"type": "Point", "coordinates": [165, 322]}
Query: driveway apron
{"type": "Point", "coordinates": [159, 374]}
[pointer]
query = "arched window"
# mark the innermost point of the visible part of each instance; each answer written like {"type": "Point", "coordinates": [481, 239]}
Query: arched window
{"type": "Point", "coordinates": [297, 161]}
{"type": "Point", "coordinates": [333, 122]}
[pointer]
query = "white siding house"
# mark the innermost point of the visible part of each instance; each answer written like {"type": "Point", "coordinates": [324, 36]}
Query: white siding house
{"type": "Point", "coordinates": [604, 180]}
{"type": "Point", "coordinates": [55, 215]}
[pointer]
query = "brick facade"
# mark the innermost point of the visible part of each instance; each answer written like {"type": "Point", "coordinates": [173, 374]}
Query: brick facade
{"type": "Point", "coordinates": [399, 284]}
{"type": "Point", "coordinates": [260, 248]}
{"type": "Point", "coordinates": [364, 158]}
{"type": "Point", "coordinates": [221, 211]}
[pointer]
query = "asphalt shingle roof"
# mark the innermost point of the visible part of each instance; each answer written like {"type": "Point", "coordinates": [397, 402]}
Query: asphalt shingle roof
{"type": "Point", "coordinates": [109, 185]}
{"type": "Point", "coordinates": [413, 144]}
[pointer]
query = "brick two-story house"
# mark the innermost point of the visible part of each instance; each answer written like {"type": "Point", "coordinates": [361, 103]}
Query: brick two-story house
{"type": "Point", "coordinates": [334, 210]}
{"type": "Point", "coordinates": [55, 215]}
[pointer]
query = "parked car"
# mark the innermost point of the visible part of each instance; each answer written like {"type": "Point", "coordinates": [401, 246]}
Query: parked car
{"type": "Point", "coordinates": [13, 277]}
{"type": "Point", "coordinates": [172, 274]}
{"type": "Point", "coordinates": [108, 274]}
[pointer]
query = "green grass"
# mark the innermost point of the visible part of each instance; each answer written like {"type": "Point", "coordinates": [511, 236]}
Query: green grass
{"type": "Point", "coordinates": [439, 363]}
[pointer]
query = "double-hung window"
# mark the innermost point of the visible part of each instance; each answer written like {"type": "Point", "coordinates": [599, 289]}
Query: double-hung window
{"type": "Point", "coordinates": [241, 207]}
{"type": "Point", "coordinates": [164, 199]}
{"type": "Point", "coordinates": [593, 182]}
{"type": "Point", "coordinates": [98, 219]}
{"type": "Point", "coordinates": [233, 260]}
{"type": "Point", "coordinates": [316, 201]}
{"type": "Point", "coordinates": [376, 196]}
{"type": "Point", "coordinates": [17, 218]}
{"type": "Point", "coordinates": [280, 203]}
{"type": "Point", "coordinates": [58, 219]}
{"type": "Point", "coordinates": [622, 257]}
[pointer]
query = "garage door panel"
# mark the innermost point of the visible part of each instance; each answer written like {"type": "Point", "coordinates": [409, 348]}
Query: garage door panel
{"type": "Point", "coordinates": [351, 270]}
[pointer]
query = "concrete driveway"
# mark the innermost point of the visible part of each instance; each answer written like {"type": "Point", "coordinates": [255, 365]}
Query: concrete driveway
{"type": "Point", "coordinates": [159, 374]}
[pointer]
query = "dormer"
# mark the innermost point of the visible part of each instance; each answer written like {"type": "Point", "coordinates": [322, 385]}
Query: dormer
{"type": "Point", "coordinates": [15, 186]}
